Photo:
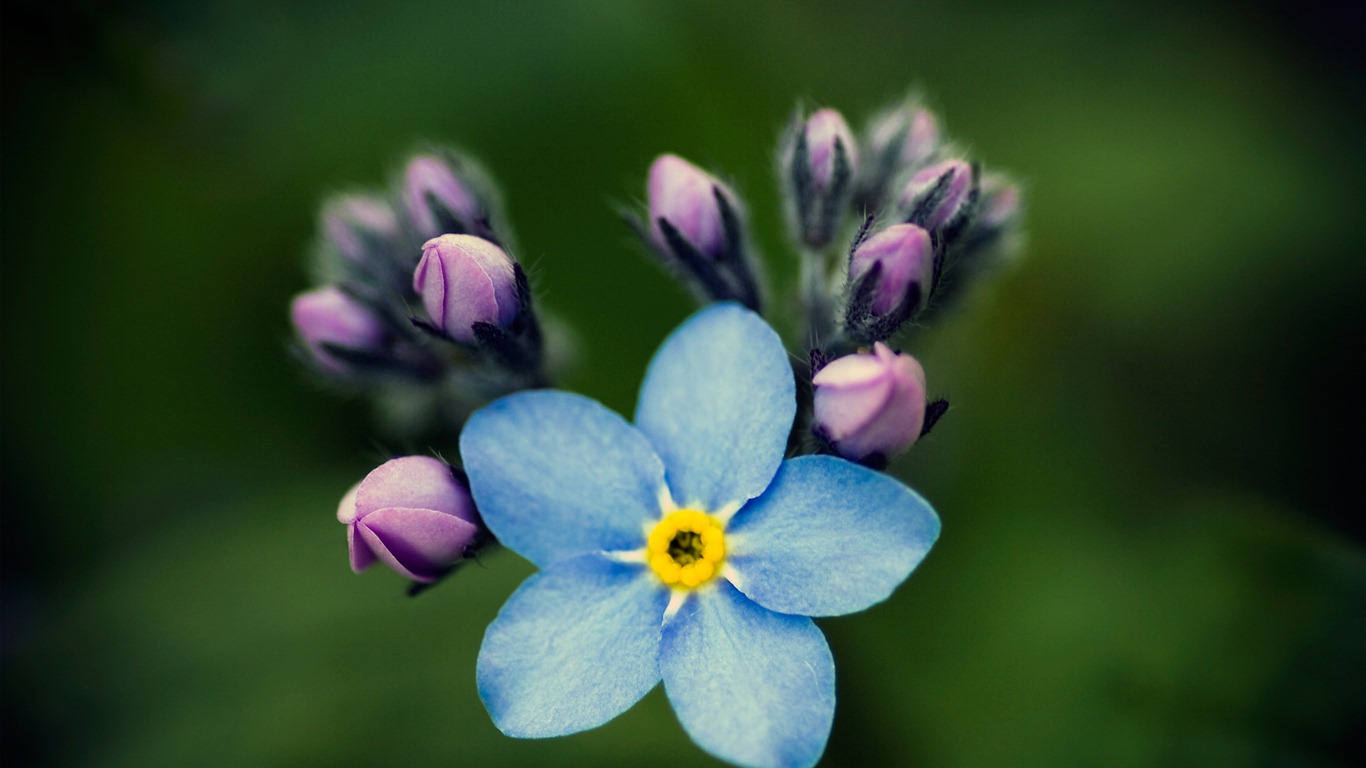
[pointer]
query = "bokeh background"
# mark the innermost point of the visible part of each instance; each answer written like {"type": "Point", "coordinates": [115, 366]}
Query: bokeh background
{"type": "Point", "coordinates": [1150, 483]}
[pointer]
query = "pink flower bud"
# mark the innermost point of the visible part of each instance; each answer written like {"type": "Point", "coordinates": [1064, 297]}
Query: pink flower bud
{"type": "Point", "coordinates": [906, 262]}
{"type": "Point", "coordinates": [1000, 201]}
{"type": "Point", "coordinates": [869, 405]}
{"type": "Point", "coordinates": [353, 222]}
{"type": "Point", "coordinates": [681, 193]}
{"type": "Point", "coordinates": [823, 129]}
{"type": "Point", "coordinates": [465, 280]}
{"type": "Point", "coordinates": [328, 316]}
{"type": "Point", "coordinates": [413, 514]}
{"type": "Point", "coordinates": [433, 194]}
{"type": "Point", "coordinates": [915, 130]}
{"type": "Point", "coordinates": [940, 194]}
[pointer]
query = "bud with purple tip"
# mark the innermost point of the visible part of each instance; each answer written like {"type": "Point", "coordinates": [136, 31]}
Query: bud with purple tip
{"type": "Point", "coordinates": [438, 201]}
{"type": "Point", "coordinates": [359, 226]}
{"type": "Point", "coordinates": [819, 158]}
{"type": "Point", "coordinates": [870, 406]}
{"type": "Point", "coordinates": [988, 241]}
{"type": "Point", "coordinates": [696, 228]}
{"type": "Point", "coordinates": [465, 280]}
{"type": "Point", "coordinates": [827, 135]}
{"type": "Point", "coordinates": [685, 197]}
{"type": "Point", "coordinates": [414, 514]}
{"type": "Point", "coordinates": [330, 322]}
{"type": "Point", "coordinates": [1000, 204]}
{"type": "Point", "coordinates": [898, 140]}
{"type": "Point", "coordinates": [891, 274]}
{"type": "Point", "coordinates": [992, 234]}
{"type": "Point", "coordinates": [941, 198]}
{"type": "Point", "coordinates": [908, 135]}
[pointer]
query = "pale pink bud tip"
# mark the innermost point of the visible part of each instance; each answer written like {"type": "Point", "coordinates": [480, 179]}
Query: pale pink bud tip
{"type": "Point", "coordinates": [916, 131]}
{"type": "Point", "coordinates": [432, 192]}
{"type": "Point", "coordinates": [352, 219]}
{"type": "Point", "coordinates": [328, 316]}
{"type": "Point", "coordinates": [824, 129]}
{"type": "Point", "coordinates": [1000, 202]}
{"type": "Point", "coordinates": [870, 404]}
{"type": "Point", "coordinates": [413, 514]}
{"type": "Point", "coordinates": [953, 199]}
{"type": "Point", "coordinates": [464, 280]}
{"type": "Point", "coordinates": [681, 193]}
{"type": "Point", "coordinates": [906, 259]}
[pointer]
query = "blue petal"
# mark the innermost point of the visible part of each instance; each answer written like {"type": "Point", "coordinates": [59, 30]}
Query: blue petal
{"type": "Point", "coordinates": [749, 685]}
{"type": "Point", "coordinates": [717, 405]}
{"type": "Point", "coordinates": [576, 645]}
{"type": "Point", "coordinates": [555, 475]}
{"type": "Point", "coordinates": [828, 537]}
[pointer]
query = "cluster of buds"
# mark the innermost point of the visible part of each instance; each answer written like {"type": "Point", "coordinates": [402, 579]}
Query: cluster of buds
{"type": "Point", "coordinates": [418, 290]}
{"type": "Point", "coordinates": [919, 219]}
{"type": "Point", "coordinates": [888, 225]}
{"type": "Point", "coordinates": [417, 285]}
{"type": "Point", "coordinates": [420, 305]}
{"type": "Point", "coordinates": [916, 177]}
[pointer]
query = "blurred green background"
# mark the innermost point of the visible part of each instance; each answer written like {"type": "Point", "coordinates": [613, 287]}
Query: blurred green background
{"type": "Point", "coordinates": [1150, 484]}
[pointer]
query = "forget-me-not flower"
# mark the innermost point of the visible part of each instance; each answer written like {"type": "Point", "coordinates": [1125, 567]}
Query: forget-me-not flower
{"type": "Point", "coordinates": [683, 548]}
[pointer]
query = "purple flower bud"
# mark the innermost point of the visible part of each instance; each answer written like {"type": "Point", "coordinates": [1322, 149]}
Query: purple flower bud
{"type": "Point", "coordinates": [1000, 202]}
{"type": "Point", "coordinates": [906, 262]}
{"type": "Point", "coordinates": [898, 140]}
{"type": "Point", "coordinates": [465, 280]}
{"type": "Point", "coordinates": [413, 514]}
{"type": "Point", "coordinates": [819, 161]}
{"type": "Point", "coordinates": [823, 129]}
{"type": "Point", "coordinates": [432, 194]}
{"type": "Point", "coordinates": [911, 131]}
{"type": "Point", "coordinates": [352, 220]}
{"type": "Point", "coordinates": [681, 193]}
{"type": "Point", "coordinates": [328, 316]}
{"type": "Point", "coordinates": [940, 195]}
{"type": "Point", "coordinates": [869, 405]}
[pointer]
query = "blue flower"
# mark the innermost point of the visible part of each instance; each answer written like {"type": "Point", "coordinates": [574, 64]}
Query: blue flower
{"type": "Point", "coordinates": [683, 548]}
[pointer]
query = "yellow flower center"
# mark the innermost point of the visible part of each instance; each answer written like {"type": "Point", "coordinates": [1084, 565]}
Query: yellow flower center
{"type": "Point", "coordinates": [686, 548]}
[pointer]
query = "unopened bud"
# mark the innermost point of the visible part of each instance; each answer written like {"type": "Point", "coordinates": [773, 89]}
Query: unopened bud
{"type": "Point", "coordinates": [464, 280]}
{"type": "Point", "coordinates": [413, 514]}
{"type": "Point", "coordinates": [907, 136]}
{"type": "Point", "coordinates": [327, 317]}
{"type": "Point", "coordinates": [826, 135]}
{"type": "Point", "coordinates": [992, 236]}
{"type": "Point", "coordinates": [685, 196]}
{"type": "Point", "coordinates": [1000, 202]}
{"type": "Point", "coordinates": [820, 158]}
{"type": "Point", "coordinates": [358, 225]}
{"type": "Point", "coordinates": [696, 228]}
{"type": "Point", "coordinates": [904, 259]}
{"type": "Point", "coordinates": [437, 201]}
{"type": "Point", "coordinates": [941, 197]}
{"type": "Point", "coordinates": [870, 406]}
{"type": "Point", "coordinates": [897, 141]}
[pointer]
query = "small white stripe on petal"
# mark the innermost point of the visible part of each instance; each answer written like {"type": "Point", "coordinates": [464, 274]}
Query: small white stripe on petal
{"type": "Point", "coordinates": [630, 556]}
{"type": "Point", "coordinates": [676, 601]}
{"type": "Point", "coordinates": [729, 573]}
{"type": "Point", "coordinates": [666, 501]}
{"type": "Point", "coordinates": [725, 513]}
